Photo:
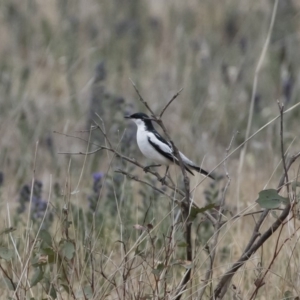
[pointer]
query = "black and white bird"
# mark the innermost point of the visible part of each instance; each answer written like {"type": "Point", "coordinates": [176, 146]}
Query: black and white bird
{"type": "Point", "coordinates": [156, 148]}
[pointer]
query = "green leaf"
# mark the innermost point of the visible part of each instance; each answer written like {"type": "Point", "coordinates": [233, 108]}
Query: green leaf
{"type": "Point", "coordinates": [46, 239]}
{"type": "Point", "coordinates": [158, 269]}
{"type": "Point", "coordinates": [195, 211]}
{"type": "Point", "coordinates": [270, 199]}
{"type": "Point", "coordinates": [8, 283]}
{"type": "Point", "coordinates": [68, 249]}
{"type": "Point", "coordinates": [182, 244]}
{"type": "Point", "coordinates": [156, 272]}
{"type": "Point", "coordinates": [6, 253]}
{"type": "Point", "coordinates": [51, 254]}
{"type": "Point", "coordinates": [288, 295]}
{"type": "Point", "coordinates": [35, 261]}
{"type": "Point", "coordinates": [37, 277]}
{"type": "Point", "coordinates": [52, 292]}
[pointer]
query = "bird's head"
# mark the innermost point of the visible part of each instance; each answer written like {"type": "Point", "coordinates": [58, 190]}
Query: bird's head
{"type": "Point", "coordinates": [140, 119]}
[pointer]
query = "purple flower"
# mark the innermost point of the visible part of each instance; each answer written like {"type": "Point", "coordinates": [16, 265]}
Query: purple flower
{"type": "Point", "coordinates": [97, 185]}
{"type": "Point", "coordinates": [98, 176]}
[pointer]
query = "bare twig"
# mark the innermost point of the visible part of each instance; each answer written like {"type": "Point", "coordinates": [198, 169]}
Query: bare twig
{"type": "Point", "coordinates": [218, 225]}
{"type": "Point", "coordinates": [275, 255]}
{"type": "Point", "coordinates": [188, 224]}
{"type": "Point", "coordinates": [103, 131]}
{"type": "Point", "coordinates": [141, 98]}
{"type": "Point", "coordinates": [260, 283]}
{"type": "Point", "coordinates": [223, 284]}
{"type": "Point", "coordinates": [136, 178]}
{"type": "Point", "coordinates": [281, 107]}
{"type": "Point", "coordinates": [118, 154]}
{"type": "Point", "coordinates": [254, 87]}
{"type": "Point", "coordinates": [167, 105]}
{"type": "Point", "coordinates": [252, 247]}
{"type": "Point", "coordinates": [92, 267]}
{"type": "Point", "coordinates": [288, 165]}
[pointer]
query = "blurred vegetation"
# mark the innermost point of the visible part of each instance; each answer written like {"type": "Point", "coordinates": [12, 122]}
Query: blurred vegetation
{"type": "Point", "coordinates": [65, 66]}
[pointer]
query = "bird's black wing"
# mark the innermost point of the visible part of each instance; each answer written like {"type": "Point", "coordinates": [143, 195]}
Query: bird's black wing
{"type": "Point", "coordinates": [161, 145]}
{"type": "Point", "coordinates": [164, 148]}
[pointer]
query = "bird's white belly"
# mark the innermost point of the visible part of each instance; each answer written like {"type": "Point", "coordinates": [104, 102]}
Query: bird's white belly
{"type": "Point", "coordinates": [149, 151]}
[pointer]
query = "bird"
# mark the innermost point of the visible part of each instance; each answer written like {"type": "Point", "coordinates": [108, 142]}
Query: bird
{"type": "Point", "coordinates": [157, 149]}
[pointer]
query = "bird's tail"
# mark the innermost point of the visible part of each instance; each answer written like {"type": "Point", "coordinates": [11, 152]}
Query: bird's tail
{"type": "Point", "coordinates": [197, 169]}
{"type": "Point", "coordinates": [189, 164]}
{"type": "Point", "coordinates": [201, 171]}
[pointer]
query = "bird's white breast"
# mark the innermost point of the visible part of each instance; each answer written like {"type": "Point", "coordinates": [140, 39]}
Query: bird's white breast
{"type": "Point", "coordinates": [147, 149]}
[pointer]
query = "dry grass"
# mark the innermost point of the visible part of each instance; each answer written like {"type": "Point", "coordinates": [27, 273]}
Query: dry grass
{"type": "Point", "coordinates": [48, 54]}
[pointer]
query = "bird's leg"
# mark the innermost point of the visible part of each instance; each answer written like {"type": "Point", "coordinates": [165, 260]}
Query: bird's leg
{"type": "Point", "coordinates": [163, 180]}
{"type": "Point", "coordinates": [147, 168]}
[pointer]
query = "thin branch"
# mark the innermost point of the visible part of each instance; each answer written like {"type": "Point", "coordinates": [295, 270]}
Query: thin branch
{"type": "Point", "coordinates": [103, 131]}
{"type": "Point", "coordinates": [210, 218]}
{"type": "Point", "coordinates": [281, 107]}
{"type": "Point", "coordinates": [218, 225]}
{"type": "Point", "coordinates": [252, 247]}
{"type": "Point", "coordinates": [136, 178]}
{"type": "Point", "coordinates": [276, 253]}
{"type": "Point", "coordinates": [247, 140]}
{"type": "Point", "coordinates": [167, 105]}
{"type": "Point", "coordinates": [133, 161]}
{"type": "Point", "coordinates": [141, 98]}
{"type": "Point", "coordinates": [254, 88]}
{"type": "Point", "coordinates": [251, 214]}
{"type": "Point", "coordinates": [260, 283]}
{"type": "Point", "coordinates": [288, 165]}
{"type": "Point", "coordinates": [226, 278]}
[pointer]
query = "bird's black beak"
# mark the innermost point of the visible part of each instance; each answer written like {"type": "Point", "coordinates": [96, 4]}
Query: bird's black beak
{"type": "Point", "coordinates": [127, 117]}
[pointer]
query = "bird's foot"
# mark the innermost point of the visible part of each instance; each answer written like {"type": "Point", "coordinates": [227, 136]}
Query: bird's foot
{"type": "Point", "coordinates": [163, 179]}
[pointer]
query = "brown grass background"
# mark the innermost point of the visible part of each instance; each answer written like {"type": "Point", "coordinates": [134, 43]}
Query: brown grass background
{"type": "Point", "coordinates": [48, 54]}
